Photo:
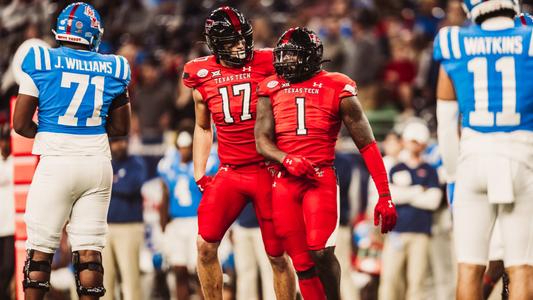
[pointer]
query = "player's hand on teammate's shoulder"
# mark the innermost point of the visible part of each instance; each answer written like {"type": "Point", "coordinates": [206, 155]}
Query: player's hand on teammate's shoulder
{"type": "Point", "coordinates": [204, 182]}
{"type": "Point", "coordinates": [298, 165]}
{"type": "Point", "coordinates": [385, 212]}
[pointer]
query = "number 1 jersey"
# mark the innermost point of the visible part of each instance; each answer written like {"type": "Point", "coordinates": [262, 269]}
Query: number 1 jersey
{"type": "Point", "coordinates": [306, 114]}
{"type": "Point", "coordinates": [230, 95]}
{"type": "Point", "coordinates": [75, 89]}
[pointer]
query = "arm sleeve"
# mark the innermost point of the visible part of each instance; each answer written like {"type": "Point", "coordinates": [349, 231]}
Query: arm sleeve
{"type": "Point", "coordinates": [448, 136]}
{"type": "Point", "coordinates": [27, 84]}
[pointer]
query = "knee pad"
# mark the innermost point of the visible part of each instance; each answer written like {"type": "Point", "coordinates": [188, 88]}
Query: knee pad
{"type": "Point", "coordinates": [97, 291]}
{"type": "Point", "coordinates": [302, 262]}
{"type": "Point", "coordinates": [36, 266]}
{"type": "Point", "coordinates": [307, 274]}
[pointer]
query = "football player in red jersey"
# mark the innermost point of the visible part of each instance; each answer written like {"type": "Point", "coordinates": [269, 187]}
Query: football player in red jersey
{"type": "Point", "coordinates": [299, 115]}
{"type": "Point", "coordinates": [223, 87]}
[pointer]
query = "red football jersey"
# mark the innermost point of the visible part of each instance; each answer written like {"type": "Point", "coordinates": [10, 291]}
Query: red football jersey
{"type": "Point", "coordinates": [306, 114]}
{"type": "Point", "coordinates": [230, 94]}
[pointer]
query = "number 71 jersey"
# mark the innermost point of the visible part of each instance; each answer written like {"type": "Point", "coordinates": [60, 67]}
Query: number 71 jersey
{"type": "Point", "coordinates": [491, 72]}
{"type": "Point", "coordinates": [75, 88]}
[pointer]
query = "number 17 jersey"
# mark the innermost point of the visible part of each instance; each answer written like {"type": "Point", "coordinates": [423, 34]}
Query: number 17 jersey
{"type": "Point", "coordinates": [75, 89]}
{"type": "Point", "coordinates": [230, 95]}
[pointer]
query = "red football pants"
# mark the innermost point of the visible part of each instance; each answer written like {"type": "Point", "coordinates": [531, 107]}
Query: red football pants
{"type": "Point", "coordinates": [226, 196]}
{"type": "Point", "coordinates": [308, 208]}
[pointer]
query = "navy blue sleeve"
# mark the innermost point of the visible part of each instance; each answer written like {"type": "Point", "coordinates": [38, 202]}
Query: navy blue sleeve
{"type": "Point", "coordinates": [432, 177]}
{"type": "Point", "coordinates": [129, 186]}
{"type": "Point", "coordinates": [393, 170]}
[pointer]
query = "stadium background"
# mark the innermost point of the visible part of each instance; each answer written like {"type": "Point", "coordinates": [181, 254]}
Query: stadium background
{"type": "Point", "coordinates": [384, 45]}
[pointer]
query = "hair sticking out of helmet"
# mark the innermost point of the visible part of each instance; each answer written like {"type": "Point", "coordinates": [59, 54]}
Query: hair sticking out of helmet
{"type": "Point", "coordinates": [229, 36]}
{"type": "Point", "coordinates": [298, 55]}
{"type": "Point", "coordinates": [481, 10]}
{"type": "Point", "coordinates": [79, 23]}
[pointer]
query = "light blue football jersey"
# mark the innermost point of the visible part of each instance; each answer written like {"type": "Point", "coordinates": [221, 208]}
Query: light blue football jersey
{"type": "Point", "coordinates": [184, 195]}
{"type": "Point", "coordinates": [491, 72]}
{"type": "Point", "coordinates": [75, 87]}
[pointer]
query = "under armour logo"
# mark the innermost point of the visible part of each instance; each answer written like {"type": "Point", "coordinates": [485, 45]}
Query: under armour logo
{"type": "Point", "coordinates": [289, 161]}
{"type": "Point", "coordinates": [224, 168]}
{"type": "Point", "coordinates": [319, 85]}
{"type": "Point", "coordinates": [216, 73]}
{"type": "Point", "coordinates": [284, 85]}
{"type": "Point", "coordinates": [390, 203]}
{"type": "Point", "coordinates": [274, 184]}
{"type": "Point", "coordinates": [247, 69]}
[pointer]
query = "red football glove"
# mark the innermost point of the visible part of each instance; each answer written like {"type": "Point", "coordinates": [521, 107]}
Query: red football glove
{"type": "Point", "coordinates": [299, 166]}
{"type": "Point", "coordinates": [386, 212]}
{"type": "Point", "coordinates": [204, 182]}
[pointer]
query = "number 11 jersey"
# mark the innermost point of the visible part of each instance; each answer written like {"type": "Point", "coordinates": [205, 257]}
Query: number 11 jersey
{"type": "Point", "coordinates": [75, 89]}
{"type": "Point", "coordinates": [491, 71]}
{"type": "Point", "coordinates": [230, 95]}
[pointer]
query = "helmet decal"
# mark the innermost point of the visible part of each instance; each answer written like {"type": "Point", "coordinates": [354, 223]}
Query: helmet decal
{"type": "Point", "coordinates": [79, 23]}
{"type": "Point", "coordinates": [224, 28]}
{"type": "Point", "coordinates": [233, 18]}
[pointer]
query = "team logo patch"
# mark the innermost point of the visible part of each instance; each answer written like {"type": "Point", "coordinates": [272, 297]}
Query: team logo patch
{"type": "Point", "coordinates": [350, 89]}
{"type": "Point", "coordinates": [208, 24]}
{"type": "Point", "coordinates": [202, 73]}
{"type": "Point", "coordinates": [272, 84]}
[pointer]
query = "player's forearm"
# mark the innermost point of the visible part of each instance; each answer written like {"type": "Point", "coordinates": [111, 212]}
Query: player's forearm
{"type": "Point", "coordinates": [202, 142]}
{"type": "Point", "coordinates": [28, 130]}
{"type": "Point", "coordinates": [266, 147]}
{"type": "Point", "coordinates": [163, 207]}
{"type": "Point", "coordinates": [428, 200]}
{"type": "Point", "coordinates": [405, 194]}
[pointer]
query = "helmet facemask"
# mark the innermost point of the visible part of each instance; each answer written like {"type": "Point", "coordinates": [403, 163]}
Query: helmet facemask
{"type": "Point", "coordinates": [221, 48]}
{"type": "Point", "coordinates": [224, 29]}
{"type": "Point", "coordinates": [299, 59]}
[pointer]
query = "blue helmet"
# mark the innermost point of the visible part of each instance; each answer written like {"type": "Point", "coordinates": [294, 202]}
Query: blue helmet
{"type": "Point", "coordinates": [476, 8]}
{"type": "Point", "coordinates": [79, 23]}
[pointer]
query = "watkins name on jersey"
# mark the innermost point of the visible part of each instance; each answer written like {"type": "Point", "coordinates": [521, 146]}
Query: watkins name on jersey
{"type": "Point", "coordinates": [483, 45]}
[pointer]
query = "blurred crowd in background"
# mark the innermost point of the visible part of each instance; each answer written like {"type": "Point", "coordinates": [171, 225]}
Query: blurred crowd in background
{"type": "Point", "coordinates": [384, 45]}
